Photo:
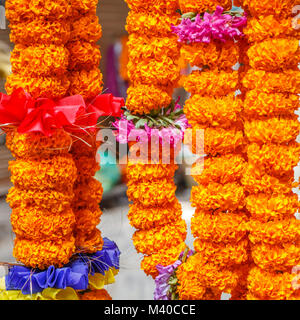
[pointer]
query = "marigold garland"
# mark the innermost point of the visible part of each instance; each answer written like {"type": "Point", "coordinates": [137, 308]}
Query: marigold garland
{"type": "Point", "coordinates": [220, 220]}
{"type": "Point", "coordinates": [271, 127]}
{"type": "Point", "coordinates": [55, 212]}
{"type": "Point", "coordinates": [153, 73]}
{"type": "Point", "coordinates": [41, 190]}
{"type": "Point", "coordinates": [86, 80]}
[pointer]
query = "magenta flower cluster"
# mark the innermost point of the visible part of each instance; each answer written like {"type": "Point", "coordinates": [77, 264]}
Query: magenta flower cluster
{"type": "Point", "coordinates": [126, 132]}
{"type": "Point", "coordinates": [215, 26]}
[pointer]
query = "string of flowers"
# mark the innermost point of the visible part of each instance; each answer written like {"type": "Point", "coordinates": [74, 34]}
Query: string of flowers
{"type": "Point", "coordinates": [43, 172]}
{"type": "Point", "coordinates": [271, 85]}
{"type": "Point", "coordinates": [153, 73]}
{"type": "Point", "coordinates": [208, 35]}
{"type": "Point", "coordinates": [86, 80]}
{"type": "Point", "coordinates": [43, 121]}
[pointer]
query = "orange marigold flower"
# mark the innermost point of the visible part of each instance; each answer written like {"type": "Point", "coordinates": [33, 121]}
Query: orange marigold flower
{"type": "Point", "coordinates": [39, 224]}
{"type": "Point", "coordinates": [200, 6]}
{"type": "Point", "coordinates": [86, 83]}
{"type": "Point", "coordinates": [208, 275]}
{"type": "Point", "coordinates": [40, 31]}
{"type": "Point", "coordinates": [222, 255]}
{"type": "Point", "coordinates": [255, 181]}
{"type": "Point", "coordinates": [270, 130]}
{"type": "Point", "coordinates": [209, 111]}
{"type": "Point", "coordinates": [151, 47]}
{"type": "Point", "coordinates": [164, 6]}
{"type": "Point", "coordinates": [277, 160]}
{"type": "Point", "coordinates": [80, 7]}
{"type": "Point", "coordinates": [266, 208]}
{"type": "Point", "coordinates": [284, 82]}
{"type": "Point", "coordinates": [264, 285]}
{"type": "Point", "coordinates": [44, 253]}
{"type": "Point", "coordinates": [38, 145]}
{"type": "Point", "coordinates": [219, 227]}
{"type": "Point", "coordinates": [280, 257]}
{"type": "Point", "coordinates": [152, 217]}
{"type": "Point", "coordinates": [275, 54]}
{"type": "Point", "coordinates": [223, 169]}
{"type": "Point", "coordinates": [83, 55]}
{"type": "Point", "coordinates": [211, 83]}
{"type": "Point", "coordinates": [86, 167]}
{"type": "Point", "coordinates": [189, 287]}
{"type": "Point", "coordinates": [81, 149]}
{"type": "Point", "coordinates": [152, 24]}
{"type": "Point", "coordinates": [143, 98]}
{"type": "Point", "coordinates": [148, 172]}
{"type": "Point", "coordinates": [163, 257]}
{"type": "Point", "coordinates": [217, 196]}
{"type": "Point", "coordinates": [159, 238]}
{"type": "Point", "coordinates": [51, 200]}
{"type": "Point", "coordinates": [96, 295]}
{"type": "Point", "coordinates": [282, 8]}
{"type": "Point", "coordinates": [86, 28]}
{"type": "Point", "coordinates": [89, 242]}
{"type": "Point", "coordinates": [17, 10]}
{"type": "Point", "coordinates": [216, 140]}
{"type": "Point", "coordinates": [52, 87]}
{"type": "Point", "coordinates": [91, 191]}
{"type": "Point", "coordinates": [163, 72]}
{"type": "Point", "coordinates": [274, 232]}
{"type": "Point", "coordinates": [223, 56]}
{"type": "Point", "coordinates": [257, 104]}
{"type": "Point", "coordinates": [40, 60]}
{"type": "Point", "coordinates": [57, 173]}
{"type": "Point", "coordinates": [151, 193]}
{"type": "Point", "coordinates": [87, 219]}
{"type": "Point", "coordinates": [263, 27]}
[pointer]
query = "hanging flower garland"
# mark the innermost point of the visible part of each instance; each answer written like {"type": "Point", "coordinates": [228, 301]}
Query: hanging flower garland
{"type": "Point", "coordinates": [208, 35]}
{"type": "Point", "coordinates": [86, 80]}
{"type": "Point", "coordinates": [271, 128]}
{"type": "Point", "coordinates": [34, 152]}
{"type": "Point", "coordinates": [153, 73]}
{"type": "Point", "coordinates": [41, 121]}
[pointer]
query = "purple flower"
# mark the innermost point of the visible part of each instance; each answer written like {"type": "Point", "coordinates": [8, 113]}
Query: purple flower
{"type": "Point", "coordinates": [215, 26]}
{"type": "Point", "coordinates": [162, 280]}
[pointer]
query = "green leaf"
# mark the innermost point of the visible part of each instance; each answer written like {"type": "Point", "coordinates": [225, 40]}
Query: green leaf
{"type": "Point", "coordinates": [173, 282]}
{"type": "Point", "coordinates": [189, 15]}
{"type": "Point", "coordinates": [141, 123]}
{"type": "Point", "coordinates": [132, 117]}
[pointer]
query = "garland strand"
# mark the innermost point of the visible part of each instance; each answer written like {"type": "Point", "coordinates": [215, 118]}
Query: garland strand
{"type": "Point", "coordinates": [220, 220]}
{"type": "Point", "coordinates": [43, 173]}
{"type": "Point", "coordinates": [86, 80]}
{"type": "Point", "coordinates": [271, 87]}
{"type": "Point", "coordinates": [153, 73]}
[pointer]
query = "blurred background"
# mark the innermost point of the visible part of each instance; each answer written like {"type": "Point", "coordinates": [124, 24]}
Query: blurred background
{"type": "Point", "coordinates": [131, 283]}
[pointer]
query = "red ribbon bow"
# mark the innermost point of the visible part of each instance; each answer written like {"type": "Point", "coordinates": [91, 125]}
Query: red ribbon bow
{"type": "Point", "coordinates": [46, 115]}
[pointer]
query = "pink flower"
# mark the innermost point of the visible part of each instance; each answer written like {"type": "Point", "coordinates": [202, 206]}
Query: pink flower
{"type": "Point", "coordinates": [215, 26]}
{"type": "Point", "coordinates": [172, 135]}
